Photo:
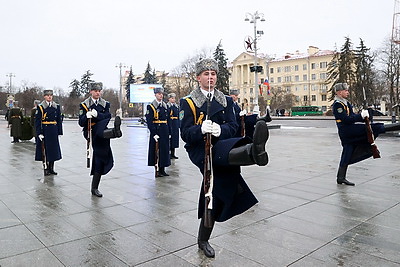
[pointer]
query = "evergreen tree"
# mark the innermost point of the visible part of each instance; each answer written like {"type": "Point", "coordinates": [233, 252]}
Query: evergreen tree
{"type": "Point", "coordinates": [149, 77]}
{"type": "Point", "coordinates": [364, 75]}
{"type": "Point", "coordinates": [75, 85]}
{"type": "Point", "coordinates": [85, 80]}
{"type": "Point", "coordinates": [223, 73]}
{"type": "Point", "coordinates": [130, 80]}
{"type": "Point", "coordinates": [342, 68]}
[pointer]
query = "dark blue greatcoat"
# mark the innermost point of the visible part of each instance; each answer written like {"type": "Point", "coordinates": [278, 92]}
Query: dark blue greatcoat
{"type": "Point", "coordinates": [236, 111]}
{"type": "Point", "coordinates": [173, 124]}
{"type": "Point", "coordinates": [102, 158]}
{"type": "Point", "coordinates": [250, 123]}
{"type": "Point", "coordinates": [231, 195]}
{"type": "Point", "coordinates": [49, 123]}
{"type": "Point", "coordinates": [157, 123]}
{"type": "Point", "coordinates": [352, 134]}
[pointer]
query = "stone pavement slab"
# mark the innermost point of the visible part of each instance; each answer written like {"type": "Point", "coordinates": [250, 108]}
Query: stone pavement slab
{"type": "Point", "coordinates": [303, 217]}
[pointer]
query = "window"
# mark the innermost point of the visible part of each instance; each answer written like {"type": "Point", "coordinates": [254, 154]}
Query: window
{"type": "Point", "coordinates": [271, 70]}
{"type": "Point", "coordinates": [296, 67]}
{"type": "Point", "coordinates": [314, 87]}
{"type": "Point", "coordinates": [323, 97]}
{"type": "Point", "coordinates": [305, 98]}
{"type": "Point", "coordinates": [287, 68]}
{"type": "Point", "coordinates": [251, 100]}
{"type": "Point", "coordinates": [313, 98]}
{"type": "Point", "coordinates": [296, 88]}
{"type": "Point", "coordinates": [271, 80]}
{"type": "Point", "coordinates": [322, 76]}
{"type": "Point", "coordinates": [323, 65]}
{"type": "Point", "coordinates": [251, 90]}
{"type": "Point", "coordinates": [288, 78]}
{"type": "Point", "coordinates": [313, 66]}
{"type": "Point", "coordinates": [305, 87]}
{"type": "Point", "coordinates": [297, 98]}
{"type": "Point", "coordinates": [279, 69]}
{"type": "Point", "coordinates": [297, 78]}
{"type": "Point", "coordinates": [304, 66]}
{"type": "Point", "coordinates": [313, 76]}
{"type": "Point", "coordinates": [279, 79]}
{"type": "Point", "coordinates": [304, 77]}
{"type": "Point", "coordinates": [288, 89]}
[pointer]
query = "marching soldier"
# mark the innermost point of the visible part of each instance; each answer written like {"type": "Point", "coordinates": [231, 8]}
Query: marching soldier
{"type": "Point", "coordinates": [15, 118]}
{"type": "Point", "coordinates": [230, 194]}
{"type": "Point", "coordinates": [173, 124]}
{"type": "Point", "coordinates": [157, 119]}
{"type": "Point", "coordinates": [353, 135]}
{"type": "Point", "coordinates": [48, 127]}
{"type": "Point", "coordinates": [96, 110]}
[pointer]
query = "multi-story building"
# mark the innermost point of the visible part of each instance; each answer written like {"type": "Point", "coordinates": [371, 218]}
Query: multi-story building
{"type": "Point", "coordinates": [302, 74]}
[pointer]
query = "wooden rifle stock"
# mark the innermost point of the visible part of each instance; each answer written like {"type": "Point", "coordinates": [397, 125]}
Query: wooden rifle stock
{"type": "Point", "coordinates": [371, 139]}
{"type": "Point", "coordinates": [43, 156]}
{"type": "Point", "coordinates": [157, 159]}
{"type": "Point", "coordinates": [89, 139]}
{"type": "Point", "coordinates": [370, 134]}
{"type": "Point", "coordinates": [207, 177]}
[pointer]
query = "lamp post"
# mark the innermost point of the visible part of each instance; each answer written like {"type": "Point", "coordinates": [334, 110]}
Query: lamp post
{"type": "Point", "coordinates": [120, 66]}
{"type": "Point", "coordinates": [252, 18]}
{"type": "Point", "coordinates": [10, 75]}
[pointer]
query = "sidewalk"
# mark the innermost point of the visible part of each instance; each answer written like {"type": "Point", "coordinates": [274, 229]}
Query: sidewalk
{"type": "Point", "coordinates": [303, 217]}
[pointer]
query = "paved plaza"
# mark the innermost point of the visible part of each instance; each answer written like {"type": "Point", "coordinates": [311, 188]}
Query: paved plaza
{"type": "Point", "coordinates": [303, 217]}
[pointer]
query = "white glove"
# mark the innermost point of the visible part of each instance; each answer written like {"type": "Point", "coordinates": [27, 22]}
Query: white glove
{"type": "Point", "coordinates": [94, 113]}
{"type": "Point", "coordinates": [206, 127]}
{"type": "Point", "coordinates": [41, 137]}
{"type": "Point", "coordinates": [156, 137]}
{"type": "Point", "coordinates": [216, 129]}
{"type": "Point", "coordinates": [89, 114]}
{"type": "Point", "coordinates": [364, 113]}
{"type": "Point", "coordinates": [242, 113]}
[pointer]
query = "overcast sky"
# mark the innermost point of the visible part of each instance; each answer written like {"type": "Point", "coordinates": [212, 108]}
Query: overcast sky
{"type": "Point", "coordinates": [51, 42]}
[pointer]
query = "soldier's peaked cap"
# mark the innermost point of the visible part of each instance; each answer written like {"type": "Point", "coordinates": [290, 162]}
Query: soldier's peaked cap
{"type": "Point", "coordinates": [206, 64]}
{"type": "Point", "coordinates": [95, 86]}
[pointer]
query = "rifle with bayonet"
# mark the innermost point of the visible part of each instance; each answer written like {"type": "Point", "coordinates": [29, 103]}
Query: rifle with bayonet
{"type": "Point", "coordinates": [44, 163]}
{"type": "Point", "coordinates": [370, 133]}
{"type": "Point", "coordinates": [157, 159]}
{"type": "Point", "coordinates": [88, 143]}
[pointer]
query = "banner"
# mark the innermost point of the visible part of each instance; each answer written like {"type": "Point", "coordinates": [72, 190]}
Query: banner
{"type": "Point", "coordinates": [142, 93]}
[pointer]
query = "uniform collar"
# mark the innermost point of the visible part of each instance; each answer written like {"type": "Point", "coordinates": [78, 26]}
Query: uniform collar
{"type": "Point", "coordinates": [199, 98]}
{"type": "Point", "coordinates": [341, 99]}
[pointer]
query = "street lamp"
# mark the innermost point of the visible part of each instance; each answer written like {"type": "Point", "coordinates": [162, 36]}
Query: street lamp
{"type": "Point", "coordinates": [10, 75]}
{"type": "Point", "coordinates": [252, 18]}
{"type": "Point", "coordinates": [120, 66]}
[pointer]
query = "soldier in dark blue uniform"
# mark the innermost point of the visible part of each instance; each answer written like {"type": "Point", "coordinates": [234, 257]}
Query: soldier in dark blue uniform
{"type": "Point", "coordinates": [231, 195]}
{"type": "Point", "coordinates": [352, 134]}
{"type": "Point", "coordinates": [48, 126]}
{"type": "Point", "coordinates": [157, 123]}
{"type": "Point", "coordinates": [15, 119]}
{"type": "Point", "coordinates": [173, 124]}
{"type": "Point", "coordinates": [97, 110]}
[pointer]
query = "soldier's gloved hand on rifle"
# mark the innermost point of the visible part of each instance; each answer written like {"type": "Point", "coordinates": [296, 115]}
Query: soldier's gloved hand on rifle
{"type": "Point", "coordinates": [216, 129]}
{"type": "Point", "coordinates": [94, 113]}
{"type": "Point", "coordinates": [364, 113]}
{"type": "Point", "coordinates": [206, 127]}
{"type": "Point", "coordinates": [156, 137]}
{"type": "Point", "coordinates": [89, 114]}
{"type": "Point", "coordinates": [242, 113]}
{"type": "Point", "coordinates": [41, 137]}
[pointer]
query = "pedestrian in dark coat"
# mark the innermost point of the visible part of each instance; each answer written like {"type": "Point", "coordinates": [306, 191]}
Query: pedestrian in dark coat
{"type": "Point", "coordinates": [352, 132]}
{"type": "Point", "coordinates": [96, 111]}
{"type": "Point", "coordinates": [173, 124]}
{"type": "Point", "coordinates": [230, 193]}
{"type": "Point", "coordinates": [15, 118]}
{"type": "Point", "coordinates": [157, 123]}
{"type": "Point", "coordinates": [48, 127]}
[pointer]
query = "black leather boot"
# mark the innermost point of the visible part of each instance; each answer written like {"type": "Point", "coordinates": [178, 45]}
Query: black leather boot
{"type": "Point", "coordinates": [51, 168]}
{"type": "Point", "coordinates": [202, 240]}
{"type": "Point", "coordinates": [392, 127]}
{"type": "Point", "coordinates": [162, 171]}
{"type": "Point", "coordinates": [266, 118]}
{"type": "Point", "coordinates": [253, 153]}
{"type": "Point", "coordinates": [95, 185]}
{"type": "Point", "coordinates": [341, 176]}
{"type": "Point", "coordinates": [173, 154]}
{"type": "Point", "coordinates": [114, 132]}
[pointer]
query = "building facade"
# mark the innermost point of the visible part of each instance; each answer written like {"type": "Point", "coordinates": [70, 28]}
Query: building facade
{"type": "Point", "coordinates": [303, 75]}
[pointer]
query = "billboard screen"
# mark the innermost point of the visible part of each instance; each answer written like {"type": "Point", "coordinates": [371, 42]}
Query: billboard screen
{"type": "Point", "coordinates": [142, 93]}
